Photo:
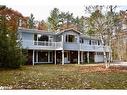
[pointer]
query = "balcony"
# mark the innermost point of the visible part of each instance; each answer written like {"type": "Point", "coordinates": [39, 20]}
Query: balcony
{"type": "Point", "coordinates": [93, 48]}
{"type": "Point", "coordinates": [42, 45]}
{"type": "Point", "coordinates": [86, 47]}
{"type": "Point", "coordinates": [45, 45]}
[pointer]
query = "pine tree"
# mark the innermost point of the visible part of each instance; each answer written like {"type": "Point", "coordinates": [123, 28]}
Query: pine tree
{"type": "Point", "coordinates": [31, 21]}
{"type": "Point", "coordinates": [10, 49]}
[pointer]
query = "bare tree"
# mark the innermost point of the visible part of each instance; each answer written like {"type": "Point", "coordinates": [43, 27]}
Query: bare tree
{"type": "Point", "coordinates": [101, 24]}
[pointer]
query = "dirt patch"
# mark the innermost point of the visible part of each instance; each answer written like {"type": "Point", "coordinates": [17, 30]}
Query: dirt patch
{"type": "Point", "coordinates": [95, 68]}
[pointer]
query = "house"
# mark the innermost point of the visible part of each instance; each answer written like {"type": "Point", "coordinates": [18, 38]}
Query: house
{"type": "Point", "coordinates": [67, 46]}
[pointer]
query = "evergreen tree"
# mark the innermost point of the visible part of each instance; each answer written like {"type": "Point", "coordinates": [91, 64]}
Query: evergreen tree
{"type": "Point", "coordinates": [31, 21]}
{"type": "Point", "coordinates": [54, 19]}
{"type": "Point", "coordinates": [10, 50]}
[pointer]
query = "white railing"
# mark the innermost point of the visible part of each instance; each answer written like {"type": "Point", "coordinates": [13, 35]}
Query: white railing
{"type": "Point", "coordinates": [98, 48]}
{"type": "Point", "coordinates": [41, 44]}
{"type": "Point", "coordinates": [48, 44]}
{"type": "Point", "coordinates": [59, 46]}
{"type": "Point", "coordinates": [86, 47]}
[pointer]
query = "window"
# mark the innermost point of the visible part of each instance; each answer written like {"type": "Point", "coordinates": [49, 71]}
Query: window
{"type": "Point", "coordinates": [70, 38]}
{"type": "Point", "coordinates": [43, 38]}
{"type": "Point", "coordinates": [51, 56]}
{"type": "Point", "coordinates": [98, 42]}
{"type": "Point", "coordinates": [89, 42]}
{"type": "Point", "coordinates": [81, 40]}
{"type": "Point", "coordinates": [35, 37]}
{"type": "Point", "coordinates": [43, 56]}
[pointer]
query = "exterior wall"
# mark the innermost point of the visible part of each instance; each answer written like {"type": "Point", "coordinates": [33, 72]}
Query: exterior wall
{"type": "Point", "coordinates": [27, 39]}
{"type": "Point", "coordinates": [70, 45]}
{"type": "Point", "coordinates": [99, 57]}
{"type": "Point", "coordinates": [71, 33]}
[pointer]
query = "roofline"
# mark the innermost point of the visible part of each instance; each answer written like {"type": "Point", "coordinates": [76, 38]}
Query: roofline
{"type": "Point", "coordinates": [55, 33]}
{"type": "Point", "coordinates": [70, 29]}
{"type": "Point", "coordinates": [34, 31]}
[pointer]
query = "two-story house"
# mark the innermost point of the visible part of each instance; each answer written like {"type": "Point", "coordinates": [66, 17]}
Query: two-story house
{"type": "Point", "coordinates": [67, 46]}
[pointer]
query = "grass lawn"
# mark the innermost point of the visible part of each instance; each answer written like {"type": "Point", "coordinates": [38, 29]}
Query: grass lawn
{"type": "Point", "coordinates": [70, 76]}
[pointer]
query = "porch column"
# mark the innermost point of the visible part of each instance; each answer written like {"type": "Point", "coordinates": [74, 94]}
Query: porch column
{"type": "Point", "coordinates": [78, 57]}
{"type": "Point", "coordinates": [62, 40]}
{"type": "Point", "coordinates": [48, 56]}
{"type": "Point", "coordinates": [88, 60]}
{"type": "Point", "coordinates": [62, 57]}
{"type": "Point", "coordinates": [55, 57]}
{"type": "Point", "coordinates": [82, 56]}
{"type": "Point", "coordinates": [33, 57]}
{"type": "Point", "coordinates": [37, 56]}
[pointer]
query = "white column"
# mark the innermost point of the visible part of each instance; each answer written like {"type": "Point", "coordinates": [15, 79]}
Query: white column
{"type": "Point", "coordinates": [33, 57]}
{"type": "Point", "coordinates": [62, 57]}
{"type": "Point", "coordinates": [55, 57]}
{"type": "Point", "coordinates": [88, 60]}
{"type": "Point", "coordinates": [48, 56]}
{"type": "Point", "coordinates": [37, 39]}
{"type": "Point", "coordinates": [82, 56]}
{"type": "Point", "coordinates": [78, 57]}
{"type": "Point", "coordinates": [62, 38]}
{"type": "Point", "coordinates": [67, 56]}
{"type": "Point", "coordinates": [37, 56]}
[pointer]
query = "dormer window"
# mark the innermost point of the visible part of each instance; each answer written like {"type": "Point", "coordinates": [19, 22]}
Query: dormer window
{"type": "Point", "coordinates": [70, 38]}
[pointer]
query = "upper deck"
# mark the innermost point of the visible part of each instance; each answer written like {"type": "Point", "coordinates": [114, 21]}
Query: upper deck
{"type": "Point", "coordinates": [65, 40]}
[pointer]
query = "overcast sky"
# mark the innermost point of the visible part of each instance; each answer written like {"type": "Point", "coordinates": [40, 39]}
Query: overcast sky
{"type": "Point", "coordinates": [41, 8]}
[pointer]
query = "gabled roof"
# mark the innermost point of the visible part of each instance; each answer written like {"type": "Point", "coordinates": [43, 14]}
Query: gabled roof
{"type": "Point", "coordinates": [46, 32]}
{"type": "Point", "coordinates": [70, 29]}
{"type": "Point", "coordinates": [25, 30]}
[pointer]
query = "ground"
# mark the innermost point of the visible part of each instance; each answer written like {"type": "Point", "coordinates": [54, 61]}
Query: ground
{"type": "Point", "coordinates": [69, 76]}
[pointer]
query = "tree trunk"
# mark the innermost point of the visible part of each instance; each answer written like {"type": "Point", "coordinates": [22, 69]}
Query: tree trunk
{"type": "Point", "coordinates": [104, 52]}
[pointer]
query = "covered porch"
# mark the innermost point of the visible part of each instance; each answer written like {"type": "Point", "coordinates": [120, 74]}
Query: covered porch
{"type": "Point", "coordinates": [60, 57]}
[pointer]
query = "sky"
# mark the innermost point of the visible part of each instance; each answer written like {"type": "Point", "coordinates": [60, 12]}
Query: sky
{"type": "Point", "coordinates": [41, 8]}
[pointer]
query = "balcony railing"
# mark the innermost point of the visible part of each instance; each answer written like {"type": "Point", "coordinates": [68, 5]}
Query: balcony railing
{"type": "Point", "coordinates": [41, 44]}
{"type": "Point", "coordinates": [46, 45]}
{"type": "Point", "coordinates": [98, 48]}
{"type": "Point", "coordinates": [49, 44]}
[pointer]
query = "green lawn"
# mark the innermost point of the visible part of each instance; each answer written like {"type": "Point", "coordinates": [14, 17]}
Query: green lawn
{"type": "Point", "coordinates": [70, 76]}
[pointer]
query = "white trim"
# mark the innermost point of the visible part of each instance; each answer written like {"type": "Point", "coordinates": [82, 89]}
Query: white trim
{"type": "Point", "coordinates": [82, 56]}
{"type": "Point", "coordinates": [78, 57]}
{"type": "Point", "coordinates": [36, 56]}
{"type": "Point", "coordinates": [55, 57]}
{"type": "Point", "coordinates": [33, 57]}
{"type": "Point", "coordinates": [62, 57]}
{"type": "Point", "coordinates": [48, 56]}
{"type": "Point", "coordinates": [88, 60]}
